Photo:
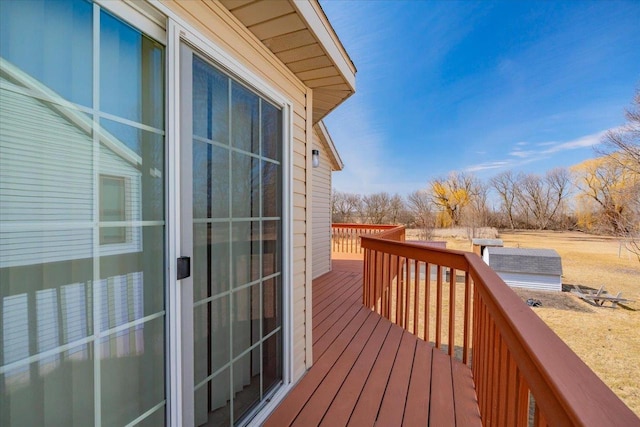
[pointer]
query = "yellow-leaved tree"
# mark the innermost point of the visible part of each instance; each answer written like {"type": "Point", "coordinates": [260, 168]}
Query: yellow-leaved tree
{"type": "Point", "coordinates": [609, 197]}
{"type": "Point", "coordinates": [451, 195]}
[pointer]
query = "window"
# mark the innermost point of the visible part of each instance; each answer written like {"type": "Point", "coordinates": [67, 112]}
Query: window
{"type": "Point", "coordinates": [113, 201]}
{"type": "Point", "coordinates": [82, 217]}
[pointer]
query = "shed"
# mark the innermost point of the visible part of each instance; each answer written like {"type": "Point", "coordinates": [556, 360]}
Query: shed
{"type": "Point", "coordinates": [480, 244]}
{"type": "Point", "coordinates": [538, 269]}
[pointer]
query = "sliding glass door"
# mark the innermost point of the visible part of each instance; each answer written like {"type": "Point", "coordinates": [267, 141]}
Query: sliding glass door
{"type": "Point", "coordinates": [82, 218]}
{"type": "Point", "coordinates": [231, 175]}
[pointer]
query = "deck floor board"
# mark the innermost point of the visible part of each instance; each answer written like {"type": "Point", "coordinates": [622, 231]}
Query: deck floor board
{"type": "Point", "coordinates": [368, 371]}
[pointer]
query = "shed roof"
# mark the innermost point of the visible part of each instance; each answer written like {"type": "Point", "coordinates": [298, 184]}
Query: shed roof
{"type": "Point", "coordinates": [487, 242]}
{"type": "Point", "coordinates": [532, 261]}
{"type": "Point", "coordinates": [302, 37]}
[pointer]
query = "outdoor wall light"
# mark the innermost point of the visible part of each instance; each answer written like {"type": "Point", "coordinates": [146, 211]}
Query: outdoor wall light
{"type": "Point", "coordinates": [315, 158]}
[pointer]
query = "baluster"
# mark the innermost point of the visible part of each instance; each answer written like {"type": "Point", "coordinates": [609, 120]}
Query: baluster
{"type": "Point", "coordinates": [452, 310]}
{"type": "Point", "coordinates": [427, 300]}
{"type": "Point", "coordinates": [416, 299]}
{"type": "Point", "coordinates": [438, 306]}
{"type": "Point", "coordinates": [502, 383]}
{"type": "Point", "coordinates": [467, 311]}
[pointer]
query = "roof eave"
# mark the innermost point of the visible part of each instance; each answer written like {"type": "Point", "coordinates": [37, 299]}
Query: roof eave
{"type": "Point", "coordinates": [317, 22]}
{"type": "Point", "coordinates": [300, 35]}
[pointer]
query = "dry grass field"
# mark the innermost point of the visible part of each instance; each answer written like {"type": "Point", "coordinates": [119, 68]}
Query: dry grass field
{"type": "Point", "coordinates": [607, 339]}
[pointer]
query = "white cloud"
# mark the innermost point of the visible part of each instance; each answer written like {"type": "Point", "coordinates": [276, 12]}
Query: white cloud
{"type": "Point", "coordinates": [522, 154]}
{"type": "Point", "coordinates": [519, 156]}
{"type": "Point", "coordinates": [582, 142]}
{"type": "Point", "coordinates": [487, 166]}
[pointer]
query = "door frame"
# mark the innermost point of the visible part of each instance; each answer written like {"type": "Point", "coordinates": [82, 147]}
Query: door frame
{"type": "Point", "coordinates": [180, 382]}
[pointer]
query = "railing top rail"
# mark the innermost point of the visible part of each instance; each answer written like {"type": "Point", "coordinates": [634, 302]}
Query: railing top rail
{"type": "Point", "coordinates": [566, 390]}
{"type": "Point", "coordinates": [417, 251]}
{"type": "Point", "coordinates": [364, 226]}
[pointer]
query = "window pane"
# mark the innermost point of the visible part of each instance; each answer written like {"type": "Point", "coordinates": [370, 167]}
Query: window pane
{"type": "Point", "coordinates": [271, 131]}
{"type": "Point", "coordinates": [220, 182]}
{"type": "Point", "coordinates": [131, 73]}
{"type": "Point", "coordinates": [271, 297]}
{"type": "Point", "coordinates": [211, 255]}
{"type": "Point", "coordinates": [246, 318]}
{"type": "Point", "coordinates": [271, 247]}
{"type": "Point", "coordinates": [246, 252]}
{"type": "Point", "coordinates": [217, 400]}
{"type": "Point", "coordinates": [66, 381]}
{"type": "Point", "coordinates": [272, 361]}
{"type": "Point", "coordinates": [137, 156]}
{"type": "Point", "coordinates": [245, 175]}
{"type": "Point", "coordinates": [244, 119]}
{"type": "Point", "coordinates": [210, 102]}
{"type": "Point", "coordinates": [113, 203]}
{"type": "Point", "coordinates": [201, 180]}
{"type": "Point", "coordinates": [271, 190]}
{"type": "Point", "coordinates": [50, 41]}
{"type": "Point", "coordinates": [210, 181]}
{"type": "Point", "coordinates": [132, 372]}
{"type": "Point", "coordinates": [246, 377]}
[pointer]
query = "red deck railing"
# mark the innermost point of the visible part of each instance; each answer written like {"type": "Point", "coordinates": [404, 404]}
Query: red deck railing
{"type": "Point", "coordinates": [523, 372]}
{"type": "Point", "coordinates": [345, 238]}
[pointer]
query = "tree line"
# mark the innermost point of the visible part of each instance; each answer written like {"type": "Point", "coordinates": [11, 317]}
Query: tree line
{"type": "Point", "coordinates": [600, 195]}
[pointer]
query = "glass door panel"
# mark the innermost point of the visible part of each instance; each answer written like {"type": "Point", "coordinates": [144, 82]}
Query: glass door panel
{"type": "Point", "coordinates": [231, 147]}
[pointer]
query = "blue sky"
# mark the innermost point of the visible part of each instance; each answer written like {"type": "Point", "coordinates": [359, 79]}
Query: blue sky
{"type": "Point", "coordinates": [478, 86]}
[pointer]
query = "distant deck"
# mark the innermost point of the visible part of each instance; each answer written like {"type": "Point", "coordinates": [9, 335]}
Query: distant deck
{"type": "Point", "coordinates": [369, 371]}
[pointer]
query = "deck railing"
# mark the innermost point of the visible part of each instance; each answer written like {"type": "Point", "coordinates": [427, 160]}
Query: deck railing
{"type": "Point", "coordinates": [523, 372]}
{"type": "Point", "coordinates": [345, 238]}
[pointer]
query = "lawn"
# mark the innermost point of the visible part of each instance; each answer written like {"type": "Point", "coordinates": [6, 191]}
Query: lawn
{"type": "Point", "coordinates": [607, 339]}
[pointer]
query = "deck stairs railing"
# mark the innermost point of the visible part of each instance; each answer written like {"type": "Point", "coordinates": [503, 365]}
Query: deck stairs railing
{"type": "Point", "coordinates": [524, 373]}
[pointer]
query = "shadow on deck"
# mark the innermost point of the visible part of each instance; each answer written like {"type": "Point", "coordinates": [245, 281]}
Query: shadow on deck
{"type": "Point", "coordinates": [369, 371]}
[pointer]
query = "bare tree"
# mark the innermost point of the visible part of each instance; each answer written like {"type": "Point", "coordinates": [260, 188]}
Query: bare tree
{"type": "Point", "coordinates": [505, 185]}
{"type": "Point", "coordinates": [623, 145]}
{"type": "Point", "coordinates": [476, 214]}
{"type": "Point", "coordinates": [543, 197]}
{"type": "Point", "coordinates": [559, 184]}
{"type": "Point", "coordinates": [376, 208]}
{"type": "Point", "coordinates": [344, 206]}
{"type": "Point", "coordinates": [626, 139]}
{"type": "Point", "coordinates": [396, 209]}
{"type": "Point", "coordinates": [419, 203]}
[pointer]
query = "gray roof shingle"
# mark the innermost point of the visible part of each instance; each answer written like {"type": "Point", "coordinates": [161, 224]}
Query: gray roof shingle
{"type": "Point", "coordinates": [532, 261]}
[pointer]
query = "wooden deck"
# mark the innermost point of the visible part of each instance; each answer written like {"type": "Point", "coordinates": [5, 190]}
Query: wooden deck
{"type": "Point", "coordinates": [369, 371]}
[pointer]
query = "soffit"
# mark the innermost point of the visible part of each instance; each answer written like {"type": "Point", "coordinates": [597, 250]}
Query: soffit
{"type": "Point", "coordinates": [300, 35]}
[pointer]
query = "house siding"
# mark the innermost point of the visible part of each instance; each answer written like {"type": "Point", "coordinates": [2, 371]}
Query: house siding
{"type": "Point", "coordinates": [321, 191]}
{"type": "Point", "coordinates": [220, 27]}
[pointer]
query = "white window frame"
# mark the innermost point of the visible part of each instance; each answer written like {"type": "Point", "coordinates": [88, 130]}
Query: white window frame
{"type": "Point", "coordinates": [179, 31]}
